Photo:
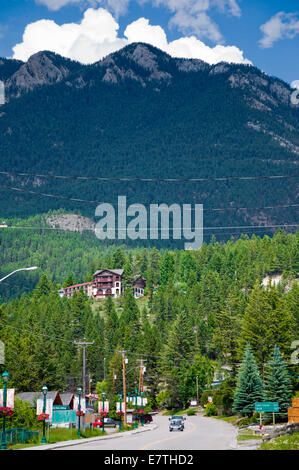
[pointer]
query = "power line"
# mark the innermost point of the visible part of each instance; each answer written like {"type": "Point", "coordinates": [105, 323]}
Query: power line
{"type": "Point", "coordinates": [58, 196]}
{"type": "Point", "coordinates": [134, 179]}
{"type": "Point", "coordinates": [255, 227]}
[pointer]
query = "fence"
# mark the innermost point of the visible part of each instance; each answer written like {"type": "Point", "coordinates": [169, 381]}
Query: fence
{"type": "Point", "coordinates": [19, 435]}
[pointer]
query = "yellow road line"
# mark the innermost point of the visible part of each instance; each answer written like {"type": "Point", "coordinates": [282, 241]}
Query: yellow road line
{"type": "Point", "coordinates": [169, 438]}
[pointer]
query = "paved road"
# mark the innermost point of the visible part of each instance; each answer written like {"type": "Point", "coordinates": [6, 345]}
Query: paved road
{"type": "Point", "coordinates": [200, 433]}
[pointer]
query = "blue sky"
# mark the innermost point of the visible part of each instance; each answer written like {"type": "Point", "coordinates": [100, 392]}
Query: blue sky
{"type": "Point", "coordinates": [266, 33]}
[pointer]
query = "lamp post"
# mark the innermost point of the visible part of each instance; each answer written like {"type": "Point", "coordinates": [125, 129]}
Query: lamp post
{"type": "Point", "coordinates": [103, 397]}
{"type": "Point", "coordinates": [5, 377]}
{"type": "Point", "coordinates": [79, 409]}
{"type": "Point", "coordinates": [44, 389]}
{"type": "Point", "coordinates": [120, 410]}
{"type": "Point", "coordinates": [32, 268]}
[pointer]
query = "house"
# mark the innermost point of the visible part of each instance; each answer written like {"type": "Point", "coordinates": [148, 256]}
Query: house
{"type": "Point", "coordinates": [67, 399]}
{"type": "Point", "coordinates": [107, 282]}
{"type": "Point", "coordinates": [138, 285]}
{"type": "Point", "coordinates": [32, 397]}
{"type": "Point", "coordinates": [69, 291]}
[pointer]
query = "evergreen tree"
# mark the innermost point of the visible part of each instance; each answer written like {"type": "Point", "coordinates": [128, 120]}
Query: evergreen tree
{"type": "Point", "coordinates": [177, 354]}
{"type": "Point", "coordinates": [278, 384]}
{"type": "Point", "coordinates": [43, 287]}
{"type": "Point", "coordinates": [249, 389]}
{"type": "Point", "coordinates": [70, 281]}
{"type": "Point", "coordinates": [167, 268]}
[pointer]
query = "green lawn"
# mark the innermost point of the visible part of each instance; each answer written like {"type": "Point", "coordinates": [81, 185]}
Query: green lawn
{"type": "Point", "coordinates": [59, 435]}
{"type": "Point", "coordinates": [282, 443]}
{"type": "Point", "coordinates": [228, 419]}
{"type": "Point", "coordinates": [247, 435]}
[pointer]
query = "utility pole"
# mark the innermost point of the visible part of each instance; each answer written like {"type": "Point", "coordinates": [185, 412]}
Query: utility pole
{"type": "Point", "coordinates": [124, 360]}
{"type": "Point", "coordinates": [83, 344]}
{"type": "Point", "coordinates": [114, 377]}
{"type": "Point", "coordinates": [197, 394]}
{"type": "Point", "coordinates": [104, 368]}
{"type": "Point", "coordinates": [141, 373]}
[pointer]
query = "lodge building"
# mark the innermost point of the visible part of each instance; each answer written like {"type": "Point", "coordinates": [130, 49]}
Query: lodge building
{"type": "Point", "coordinates": [106, 282]}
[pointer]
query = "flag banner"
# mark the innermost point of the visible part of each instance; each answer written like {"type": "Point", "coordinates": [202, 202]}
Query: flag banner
{"type": "Point", "coordinates": [83, 404]}
{"type": "Point", "coordinates": [106, 406]}
{"type": "Point", "coordinates": [49, 407]}
{"type": "Point", "coordinates": [122, 406]}
{"type": "Point", "coordinates": [10, 400]}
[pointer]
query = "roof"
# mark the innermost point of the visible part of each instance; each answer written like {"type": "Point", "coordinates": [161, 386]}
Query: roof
{"type": "Point", "coordinates": [31, 397]}
{"type": "Point", "coordinates": [139, 278]}
{"type": "Point", "coordinates": [119, 272]}
{"type": "Point", "coordinates": [78, 285]}
{"type": "Point", "coordinates": [66, 398]}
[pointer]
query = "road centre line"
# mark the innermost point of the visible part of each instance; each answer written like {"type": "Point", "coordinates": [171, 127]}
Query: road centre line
{"type": "Point", "coordinates": [169, 438]}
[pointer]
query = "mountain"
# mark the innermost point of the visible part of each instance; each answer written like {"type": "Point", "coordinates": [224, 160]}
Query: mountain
{"type": "Point", "coordinates": [141, 113]}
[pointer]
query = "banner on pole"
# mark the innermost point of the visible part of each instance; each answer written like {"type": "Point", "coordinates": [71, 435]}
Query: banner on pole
{"type": "Point", "coordinates": [106, 406]}
{"type": "Point", "coordinates": [10, 400]}
{"type": "Point", "coordinates": [76, 404]}
{"type": "Point", "coordinates": [122, 407]}
{"type": "Point", "coordinates": [49, 408]}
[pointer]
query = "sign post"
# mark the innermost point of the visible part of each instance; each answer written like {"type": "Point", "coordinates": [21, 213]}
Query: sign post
{"type": "Point", "coordinates": [267, 407]}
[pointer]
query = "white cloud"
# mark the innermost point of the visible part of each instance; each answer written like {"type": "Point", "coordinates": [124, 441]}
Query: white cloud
{"type": "Point", "coordinates": [188, 16]}
{"type": "Point", "coordinates": [280, 26]}
{"type": "Point", "coordinates": [56, 4]}
{"type": "Point", "coordinates": [97, 36]}
{"type": "Point", "coordinates": [200, 24]}
{"type": "Point", "coordinates": [295, 84]}
{"type": "Point", "coordinates": [228, 6]}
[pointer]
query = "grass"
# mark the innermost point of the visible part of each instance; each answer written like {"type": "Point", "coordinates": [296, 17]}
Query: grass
{"type": "Point", "coordinates": [282, 443]}
{"type": "Point", "coordinates": [59, 435]}
{"type": "Point", "coordinates": [228, 419]}
{"type": "Point", "coordinates": [247, 435]}
{"type": "Point", "coordinates": [174, 412]}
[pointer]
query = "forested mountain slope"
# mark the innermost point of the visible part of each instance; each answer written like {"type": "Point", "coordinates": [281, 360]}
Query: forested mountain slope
{"type": "Point", "coordinates": [141, 113]}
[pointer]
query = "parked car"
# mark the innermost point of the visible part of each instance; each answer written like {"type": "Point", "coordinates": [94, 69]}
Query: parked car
{"type": "Point", "coordinates": [176, 425]}
{"type": "Point", "coordinates": [147, 418]}
{"type": "Point", "coordinates": [108, 422]}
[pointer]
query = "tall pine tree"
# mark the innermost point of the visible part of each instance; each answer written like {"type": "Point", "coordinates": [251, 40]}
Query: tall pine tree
{"type": "Point", "coordinates": [278, 384]}
{"type": "Point", "coordinates": [249, 385]}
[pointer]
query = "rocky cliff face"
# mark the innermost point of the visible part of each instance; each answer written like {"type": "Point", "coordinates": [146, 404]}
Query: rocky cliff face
{"type": "Point", "coordinates": [143, 64]}
{"type": "Point", "coordinates": [41, 69]}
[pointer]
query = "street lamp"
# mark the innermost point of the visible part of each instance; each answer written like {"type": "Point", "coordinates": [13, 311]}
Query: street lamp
{"type": "Point", "coordinates": [32, 268]}
{"type": "Point", "coordinates": [120, 410]}
{"type": "Point", "coordinates": [5, 377]}
{"type": "Point", "coordinates": [45, 390]}
{"type": "Point", "coordinates": [79, 409]}
{"type": "Point", "coordinates": [103, 397]}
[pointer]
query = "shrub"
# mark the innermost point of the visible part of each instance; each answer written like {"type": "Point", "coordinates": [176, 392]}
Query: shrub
{"type": "Point", "coordinates": [204, 397]}
{"type": "Point", "coordinates": [191, 412]}
{"type": "Point", "coordinates": [211, 410]}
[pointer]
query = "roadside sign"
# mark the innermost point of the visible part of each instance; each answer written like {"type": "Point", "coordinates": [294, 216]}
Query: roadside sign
{"type": "Point", "coordinates": [270, 407]}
